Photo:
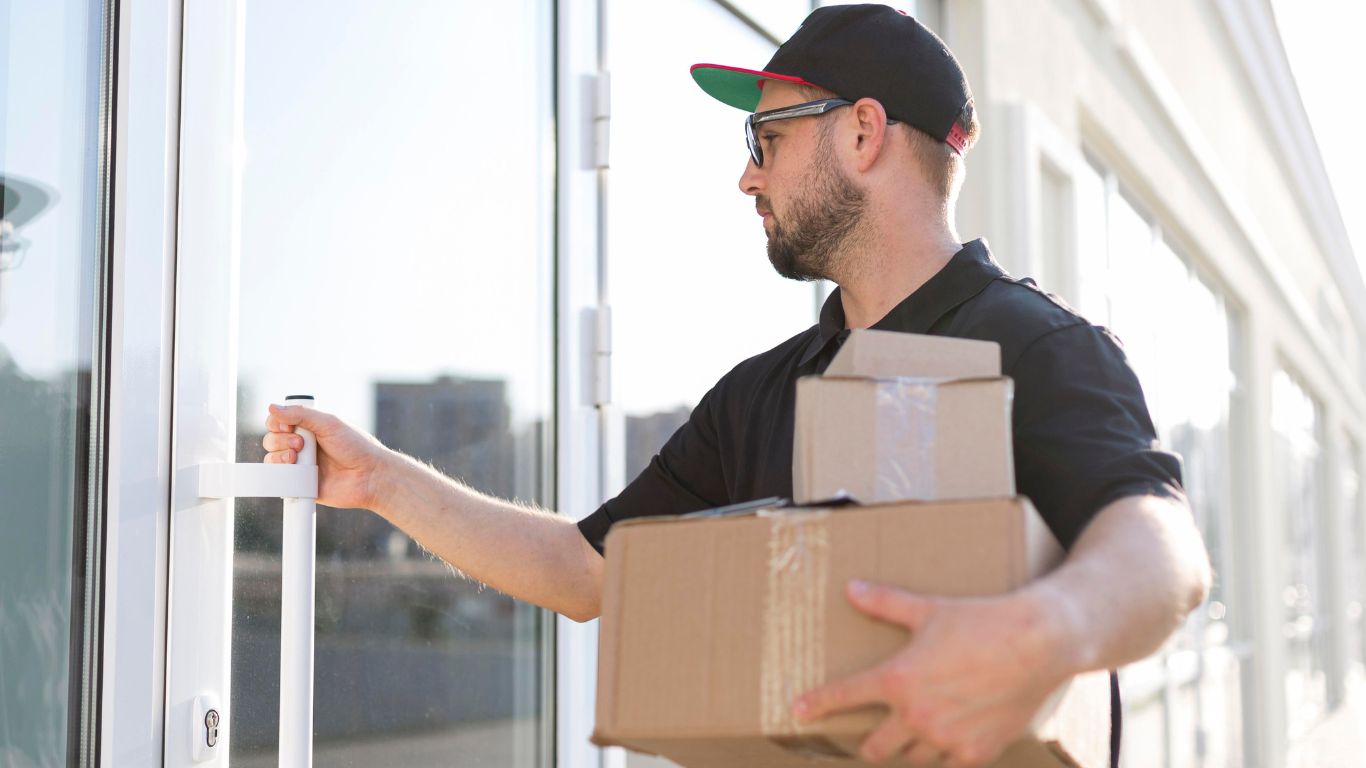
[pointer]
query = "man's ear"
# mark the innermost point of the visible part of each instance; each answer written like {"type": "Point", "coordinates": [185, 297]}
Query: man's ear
{"type": "Point", "coordinates": [871, 125]}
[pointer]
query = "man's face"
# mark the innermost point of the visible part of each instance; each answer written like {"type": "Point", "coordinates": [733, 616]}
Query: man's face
{"type": "Point", "coordinates": [810, 206]}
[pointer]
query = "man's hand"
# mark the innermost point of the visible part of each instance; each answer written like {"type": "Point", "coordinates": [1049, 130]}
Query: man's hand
{"type": "Point", "coordinates": [975, 672]}
{"type": "Point", "coordinates": [349, 461]}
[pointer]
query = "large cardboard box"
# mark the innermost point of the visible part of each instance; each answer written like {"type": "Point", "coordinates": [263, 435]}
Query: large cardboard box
{"type": "Point", "coordinates": [711, 625]}
{"type": "Point", "coordinates": [898, 416]}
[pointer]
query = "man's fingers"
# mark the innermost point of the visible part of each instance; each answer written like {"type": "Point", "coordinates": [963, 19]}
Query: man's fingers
{"type": "Point", "coordinates": [281, 457]}
{"type": "Point", "coordinates": [283, 418]}
{"type": "Point", "coordinates": [852, 692]}
{"type": "Point", "coordinates": [281, 441]}
{"type": "Point", "coordinates": [888, 739]}
{"type": "Point", "coordinates": [891, 604]}
{"type": "Point", "coordinates": [923, 753]}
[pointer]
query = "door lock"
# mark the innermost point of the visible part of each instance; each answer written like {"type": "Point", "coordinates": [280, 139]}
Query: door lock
{"type": "Point", "coordinates": [206, 728]}
{"type": "Point", "coordinates": [211, 729]}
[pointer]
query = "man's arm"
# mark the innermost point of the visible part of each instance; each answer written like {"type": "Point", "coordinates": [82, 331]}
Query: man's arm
{"type": "Point", "coordinates": [977, 670]}
{"type": "Point", "coordinates": [1130, 580]}
{"type": "Point", "coordinates": [531, 554]}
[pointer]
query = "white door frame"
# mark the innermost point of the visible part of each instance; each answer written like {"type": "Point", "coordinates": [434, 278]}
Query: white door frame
{"type": "Point", "coordinates": [199, 613]}
{"type": "Point", "coordinates": [580, 439]}
{"type": "Point", "coordinates": [146, 146]}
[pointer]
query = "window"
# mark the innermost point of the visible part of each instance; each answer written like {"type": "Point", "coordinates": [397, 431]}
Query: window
{"type": "Point", "coordinates": [52, 238]}
{"type": "Point", "coordinates": [415, 227]}
{"type": "Point", "coordinates": [1297, 426]}
{"type": "Point", "coordinates": [1183, 706]}
{"type": "Point", "coordinates": [1354, 528]}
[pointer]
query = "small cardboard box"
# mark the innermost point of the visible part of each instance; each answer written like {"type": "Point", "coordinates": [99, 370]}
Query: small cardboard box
{"type": "Point", "coordinates": [899, 416]}
{"type": "Point", "coordinates": [711, 625]}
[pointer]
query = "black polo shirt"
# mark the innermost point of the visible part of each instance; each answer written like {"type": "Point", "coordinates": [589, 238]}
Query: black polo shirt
{"type": "Point", "coordinates": [1082, 433]}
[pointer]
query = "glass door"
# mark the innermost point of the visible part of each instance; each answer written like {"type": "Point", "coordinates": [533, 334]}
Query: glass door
{"type": "Point", "coordinates": [54, 101]}
{"type": "Point", "coordinates": [366, 216]}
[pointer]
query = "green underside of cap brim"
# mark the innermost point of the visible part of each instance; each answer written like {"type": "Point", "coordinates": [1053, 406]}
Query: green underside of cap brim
{"type": "Point", "coordinates": [737, 89]}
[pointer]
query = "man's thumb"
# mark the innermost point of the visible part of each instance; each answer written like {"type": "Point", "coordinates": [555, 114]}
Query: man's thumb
{"type": "Point", "coordinates": [295, 415]}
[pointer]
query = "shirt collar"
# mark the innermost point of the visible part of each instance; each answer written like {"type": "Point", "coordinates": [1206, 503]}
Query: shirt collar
{"type": "Point", "coordinates": [966, 275]}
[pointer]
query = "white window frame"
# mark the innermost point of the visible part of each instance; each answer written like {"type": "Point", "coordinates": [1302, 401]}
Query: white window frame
{"type": "Point", "coordinates": [581, 442]}
{"type": "Point", "coordinates": [137, 546]}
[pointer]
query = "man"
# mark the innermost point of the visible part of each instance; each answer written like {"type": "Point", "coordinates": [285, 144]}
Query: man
{"type": "Point", "coordinates": [855, 159]}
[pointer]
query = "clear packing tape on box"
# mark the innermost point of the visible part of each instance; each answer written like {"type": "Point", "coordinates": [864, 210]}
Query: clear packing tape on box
{"type": "Point", "coordinates": [794, 623]}
{"type": "Point", "coordinates": [878, 440]}
{"type": "Point", "coordinates": [905, 439]}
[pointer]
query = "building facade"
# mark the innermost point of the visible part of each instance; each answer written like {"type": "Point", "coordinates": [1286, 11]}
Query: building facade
{"type": "Point", "coordinates": [506, 239]}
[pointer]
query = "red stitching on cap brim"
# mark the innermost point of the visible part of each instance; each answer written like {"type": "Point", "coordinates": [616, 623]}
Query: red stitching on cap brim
{"type": "Point", "coordinates": [757, 72]}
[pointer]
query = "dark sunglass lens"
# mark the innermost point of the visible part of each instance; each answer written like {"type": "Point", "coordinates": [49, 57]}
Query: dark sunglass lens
{"type": "Point", "coordinates": [756, 153]}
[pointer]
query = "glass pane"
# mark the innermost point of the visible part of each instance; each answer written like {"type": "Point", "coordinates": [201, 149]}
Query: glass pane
{"type": "Point", "coordinates": [1185, 715]}
{"type": "Point", "coordinates": [678, 218]}
{"type": "Point", "coordinates": [50, 56]}
{"type": "Point", "coordinates": [1093, 248]}
{"type": "Point", "coordinates": [1354, 528]}
{"type": "Point", "coordinates": [1145, 735]}
{"type": "Point", "coordinates": [1295, 423]}
{"type": "Point", "coordinates": [1183, 357]}
{"type": "Point", "coordinates": [1057, 272]}
{"type": "Point", "coordinates": [400, 228]}
{"type": "Point", "coordinates": [1221, 708]}
{"type": "Point", "coordinates": [1132, 278]}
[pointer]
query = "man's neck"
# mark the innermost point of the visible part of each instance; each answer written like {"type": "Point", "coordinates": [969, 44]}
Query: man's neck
{"type": "Point", "coordinates": [885, 276]}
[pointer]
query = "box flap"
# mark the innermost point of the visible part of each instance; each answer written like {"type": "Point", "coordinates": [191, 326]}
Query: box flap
{"type": "Point", "coordinates": [886, 354]}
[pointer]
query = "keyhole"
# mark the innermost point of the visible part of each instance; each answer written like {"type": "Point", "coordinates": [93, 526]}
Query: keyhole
{"type": "Point", "coordinates": [211, 727]}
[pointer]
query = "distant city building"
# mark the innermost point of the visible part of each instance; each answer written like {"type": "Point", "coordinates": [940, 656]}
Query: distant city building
{"type": "Point", "coordinates": [461, 426]}
{"type": "Point", "coordinates": [646, 434]}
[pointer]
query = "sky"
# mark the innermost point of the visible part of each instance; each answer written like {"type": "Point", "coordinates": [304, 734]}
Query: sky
{"type": "Point", "coordinates": [1322, 39]}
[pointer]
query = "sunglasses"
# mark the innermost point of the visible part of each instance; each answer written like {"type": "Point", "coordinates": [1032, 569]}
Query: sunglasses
{"type": "Point", "coordinates": [756, 150]}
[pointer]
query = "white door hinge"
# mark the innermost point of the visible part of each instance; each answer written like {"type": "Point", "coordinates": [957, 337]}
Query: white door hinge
{"type": "Point", "coordinates": [601, 365]}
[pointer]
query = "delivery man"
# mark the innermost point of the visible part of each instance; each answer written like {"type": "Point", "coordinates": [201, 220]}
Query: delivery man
{"type": "Point", "coordinates": [858, 127]}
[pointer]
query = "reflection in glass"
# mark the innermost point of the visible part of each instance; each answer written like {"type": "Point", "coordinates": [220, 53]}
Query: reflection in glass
{"type": "Point", "coordinates": [1354, 528]}
{"type": "Point", "coordinates": [1182, 353]}
{"type": "Point", "coordinates": [49, 260]}
{"type": "Point", "coordinates": [1297, 446]}
{"type": "Point", "coordinates": [1092, 251]}
{"type": "Point", "coordinates": [403, 235]}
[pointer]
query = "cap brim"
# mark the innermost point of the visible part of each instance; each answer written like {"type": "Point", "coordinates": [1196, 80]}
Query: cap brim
{"type": "Point", "coordinates": [736, 87]}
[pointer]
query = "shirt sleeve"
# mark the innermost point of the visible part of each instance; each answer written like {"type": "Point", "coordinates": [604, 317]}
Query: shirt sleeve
{"type": "Point", "coordinates": [685, 476]}
{"type": "Point", "coordinates": [1082, 434]}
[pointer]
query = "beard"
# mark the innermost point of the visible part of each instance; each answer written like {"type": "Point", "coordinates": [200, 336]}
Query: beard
{"type": "Point", "coordinates": [821, 221]}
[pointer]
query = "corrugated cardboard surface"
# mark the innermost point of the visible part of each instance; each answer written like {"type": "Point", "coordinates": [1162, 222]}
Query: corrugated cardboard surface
{"type": "Point", "coordinates": [886, 354]}
{"type": "Point", "coordinates": [711, 625]}
{"type": "Point", "coordinates": [882, 440]}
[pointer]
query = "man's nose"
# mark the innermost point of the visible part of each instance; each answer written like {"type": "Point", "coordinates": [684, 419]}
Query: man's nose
{"type": "Point", "coordinates": [751, 181]}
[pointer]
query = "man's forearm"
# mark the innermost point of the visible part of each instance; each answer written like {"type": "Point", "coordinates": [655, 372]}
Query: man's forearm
{"type": "Point", "coordinates": [1129, 581]}
{"type": "Point", "coordinates": [531, 554]}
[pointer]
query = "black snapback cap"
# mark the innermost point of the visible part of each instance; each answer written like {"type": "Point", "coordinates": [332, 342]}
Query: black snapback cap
{"type": "Point", "coordinates": [858, 51]}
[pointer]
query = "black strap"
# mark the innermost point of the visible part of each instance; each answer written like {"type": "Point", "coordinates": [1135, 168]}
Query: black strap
{"type": "Point", "coordinates": [1116, 719]}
